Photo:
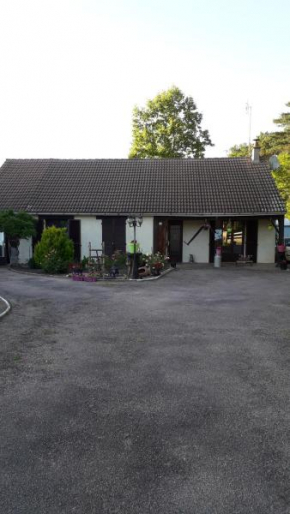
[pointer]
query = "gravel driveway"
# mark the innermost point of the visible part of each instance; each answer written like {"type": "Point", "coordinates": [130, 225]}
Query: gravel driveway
{"type": "Point", "coordinates": [167, 397]}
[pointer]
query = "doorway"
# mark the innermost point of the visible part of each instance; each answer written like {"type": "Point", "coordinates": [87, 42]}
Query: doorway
{"type": "Point", "coordinates": [235, 237]}
{"type": "Point", "coordinates": [175, 240]}
{"type": "Point", "coordinates": [233, 233]}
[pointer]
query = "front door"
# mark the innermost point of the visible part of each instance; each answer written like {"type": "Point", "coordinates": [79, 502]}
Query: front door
{"type": "Point", "coordinates": [114, 234]}
{"type": "Point", "coordinates": [160, 235]}
{"type": "Point", "coordinates": [175, 240]}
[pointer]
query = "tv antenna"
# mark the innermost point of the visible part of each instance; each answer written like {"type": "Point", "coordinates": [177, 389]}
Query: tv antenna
{"type": "Point", "coordinates": [249, 113]}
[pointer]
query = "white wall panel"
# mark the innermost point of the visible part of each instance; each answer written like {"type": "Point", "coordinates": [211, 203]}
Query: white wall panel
{"type": "Point", "coordinates": [91, 232]}
{"type": "Point", "coordinates": [25, 250]}
{"type": "Point", "coordinates": [199, 247]}
{"type": "Point", "coordinates": [266, 242]}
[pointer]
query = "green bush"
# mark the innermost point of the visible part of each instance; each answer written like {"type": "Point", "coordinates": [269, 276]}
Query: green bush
{"type": "Point", "coordinates": [55, 250]}
{"type": "Point", "coordinates": [84, 262]}
{"type": "Point", "coordinates": [118, 259]}
{"type": "Point", "coordinates": [32, 264]}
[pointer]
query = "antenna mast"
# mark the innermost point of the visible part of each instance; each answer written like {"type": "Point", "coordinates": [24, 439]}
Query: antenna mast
{"type": "Point", "coordinates": [249, 113]}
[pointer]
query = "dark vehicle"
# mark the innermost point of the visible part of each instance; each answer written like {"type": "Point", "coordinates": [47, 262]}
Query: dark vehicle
{"type": "Point", "coordinates": [287, 251]}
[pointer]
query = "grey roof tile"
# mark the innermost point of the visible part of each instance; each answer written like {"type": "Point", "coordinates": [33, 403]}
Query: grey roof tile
{"type": "Point", "coordinates": [109, 186]}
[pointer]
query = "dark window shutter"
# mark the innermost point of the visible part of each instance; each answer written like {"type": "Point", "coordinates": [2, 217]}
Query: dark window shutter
{"type": "Point", "coordinates": [114, 234]}
{"type": "Point", "coordinates": [39, 230]}
{"type": "Point", "coordinates": [74, 232]}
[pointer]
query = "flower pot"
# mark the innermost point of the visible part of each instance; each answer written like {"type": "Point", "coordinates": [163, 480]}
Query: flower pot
{"type": "Point", "coordinates": [281, 248]}
{"type": "Point", "coordinates": [90, 279]}
{"type": "Point", "coordinates": [130, 247]}
{"type": "Point", "coordinates": [78, 278]}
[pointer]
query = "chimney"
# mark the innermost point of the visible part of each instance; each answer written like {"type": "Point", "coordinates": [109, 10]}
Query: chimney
{"type": "Point", "coordinates": [256, 151]}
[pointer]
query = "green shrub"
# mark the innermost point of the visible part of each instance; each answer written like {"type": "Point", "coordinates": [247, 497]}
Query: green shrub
{"type": "Point", "coordinates": [32, 264]}
{"type": "Point", "coordinates": [108, 263]}
{"type": "Point", "coordinates": [118, 259]}
{"type": "Point", "coordinates": [55, 250]}
{"type": "Point", "coordinates": [84, 262]}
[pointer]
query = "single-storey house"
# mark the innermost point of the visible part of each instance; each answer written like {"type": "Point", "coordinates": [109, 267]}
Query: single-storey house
{"type": "Point", "coordinates": [232, 203]}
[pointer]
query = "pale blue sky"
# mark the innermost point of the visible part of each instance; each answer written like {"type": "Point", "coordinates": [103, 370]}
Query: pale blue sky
{"type": "Point", "coordinates": [72, 70]}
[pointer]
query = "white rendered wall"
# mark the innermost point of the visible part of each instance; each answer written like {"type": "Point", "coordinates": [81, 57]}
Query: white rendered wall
{"type": "Point", "coordinates": [144, 234]}
{"type": "Point", "coordinates": [199, 247]}
{"type": "Point", "coordinates": [91, 232]}
{"type": "Point", "coordinates": [25, 250]}
{"type": "Point", "coordinates": [266, 242]}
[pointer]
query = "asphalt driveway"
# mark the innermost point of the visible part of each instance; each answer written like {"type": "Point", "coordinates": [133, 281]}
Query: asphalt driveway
{"type": "Point", "coordinates": [167, 397]}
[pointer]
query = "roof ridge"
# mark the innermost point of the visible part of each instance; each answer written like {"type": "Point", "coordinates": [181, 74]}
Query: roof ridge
{"type": "Point", "coordinates": [126, 159]}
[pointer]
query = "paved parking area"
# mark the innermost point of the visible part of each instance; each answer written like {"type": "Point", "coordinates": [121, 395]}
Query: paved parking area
{"type": "Point", "coordinates": [167, 397]}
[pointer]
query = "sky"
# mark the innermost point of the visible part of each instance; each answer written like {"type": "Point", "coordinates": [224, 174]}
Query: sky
{"type": "Point", "coordinates": [71, 71]}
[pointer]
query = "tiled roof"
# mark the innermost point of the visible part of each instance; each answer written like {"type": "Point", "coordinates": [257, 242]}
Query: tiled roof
{"type": "Point", "coordinates": [123, 186]}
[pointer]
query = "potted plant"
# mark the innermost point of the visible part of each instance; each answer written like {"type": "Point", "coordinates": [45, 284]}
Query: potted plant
{"type": "Point", "coordinates": [92, 276]}
{"type": "Point", "coordinates": [156, 262]}
{"type": "Point", "coordinates": [77, 277]}
{"type": "Point", "coordinates": [93, 272]}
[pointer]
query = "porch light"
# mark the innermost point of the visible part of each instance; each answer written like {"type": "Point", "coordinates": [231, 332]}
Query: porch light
{"type": "Point", "coordinates": [135, 221]}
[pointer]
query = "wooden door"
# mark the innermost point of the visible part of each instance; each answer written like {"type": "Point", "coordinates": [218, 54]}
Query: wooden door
{"type": "Point", "coordinates": [175, 240]}
{"type": "Point", "coordinates": [114, 234]}
{"type": "Point", "coordinates": [160, 235]}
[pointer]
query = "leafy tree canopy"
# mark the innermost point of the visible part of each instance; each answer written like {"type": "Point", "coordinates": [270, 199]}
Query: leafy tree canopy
{"type": "Point", "coordinates": [282, 179]}
{"type": "Point", "coordinates": [242, 150]}
{"type": "Point", "coordinates": [17, 225]}
{"type": "Point", "coordinates": [168, 127]}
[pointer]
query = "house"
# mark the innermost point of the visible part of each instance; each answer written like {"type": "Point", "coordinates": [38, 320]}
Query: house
{"type": "Point", "coordinates": [231, 203]}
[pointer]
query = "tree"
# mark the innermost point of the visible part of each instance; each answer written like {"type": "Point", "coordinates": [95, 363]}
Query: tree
{"type": "Point", "coordinates": [242, 150]}
{"type": "Point", "coordinates": [282, 179]}
{"type": "Point", "coordinates": [168, 127]}
{"type": "Point", "coordinates": [16, 226]}
{"type": "Point", "coordinates": [281, 139]}
{"type": "Point", "coordinates": [54, 251]}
